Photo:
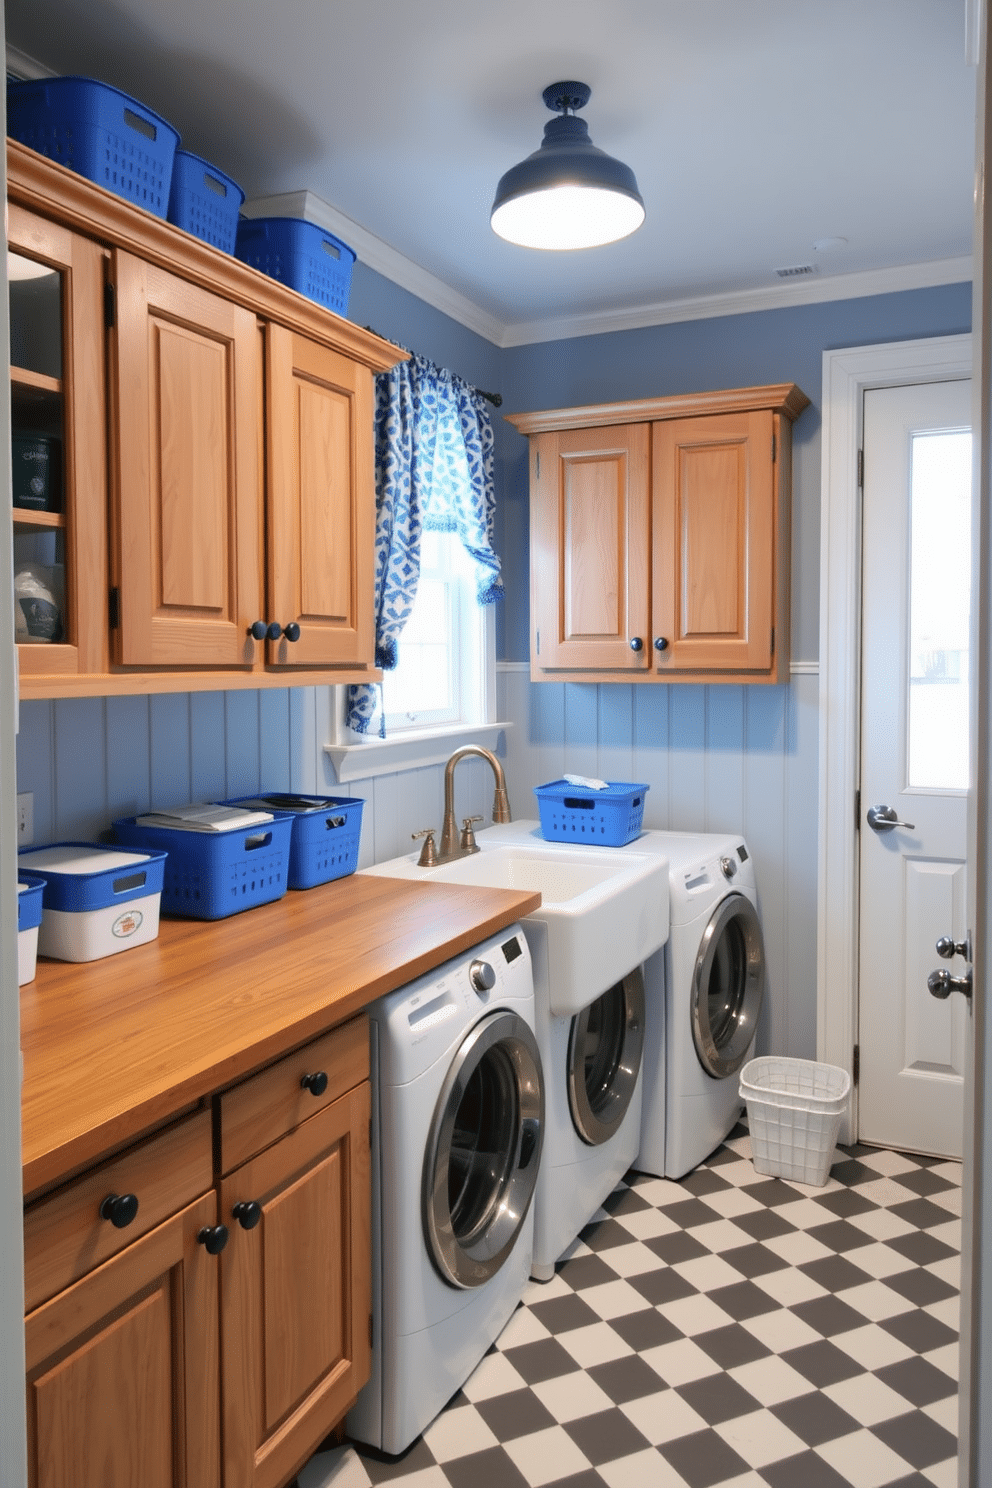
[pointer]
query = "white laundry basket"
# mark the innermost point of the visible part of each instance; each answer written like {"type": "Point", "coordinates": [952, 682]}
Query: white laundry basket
{"type": "Point", "coordinates": [794, 1111]}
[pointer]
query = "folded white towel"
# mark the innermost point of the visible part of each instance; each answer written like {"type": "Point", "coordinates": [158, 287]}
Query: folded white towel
{"type": "Point", "coordinates": [584, 782]}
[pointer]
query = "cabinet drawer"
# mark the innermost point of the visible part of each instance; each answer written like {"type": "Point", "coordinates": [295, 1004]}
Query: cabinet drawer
{"type": "Point", "coordinates": [275, 1101]}
{"type": "Point", "coordinates": [64, 1234]}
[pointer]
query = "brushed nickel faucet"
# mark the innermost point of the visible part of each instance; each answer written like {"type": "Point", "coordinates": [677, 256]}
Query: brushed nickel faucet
{"type": "Point", "coordinates": [454, 845]}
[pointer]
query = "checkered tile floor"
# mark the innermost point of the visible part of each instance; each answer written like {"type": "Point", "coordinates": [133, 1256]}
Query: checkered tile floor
{"type": "Point", "coordinates": [725, 1330]}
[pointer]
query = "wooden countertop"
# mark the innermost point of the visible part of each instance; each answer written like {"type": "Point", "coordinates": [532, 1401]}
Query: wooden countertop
{"type": "Point", "coordinates": [115, 1047]}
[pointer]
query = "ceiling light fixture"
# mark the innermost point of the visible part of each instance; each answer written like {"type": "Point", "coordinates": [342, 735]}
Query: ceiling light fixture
{"type": "Point", "coordinates": [568, 194]}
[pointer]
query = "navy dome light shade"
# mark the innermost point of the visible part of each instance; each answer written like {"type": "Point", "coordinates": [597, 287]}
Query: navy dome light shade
{"type": "Point", "coordinates": [568, 194]}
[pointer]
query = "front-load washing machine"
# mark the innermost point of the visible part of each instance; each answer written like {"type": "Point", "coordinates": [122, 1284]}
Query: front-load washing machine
{"type": "Point", "coordinates": [592, 1060]}
{"type": "Point", "coordinates": [709, 980]}
{"type": "Point", "coordinates": [458, 1128]}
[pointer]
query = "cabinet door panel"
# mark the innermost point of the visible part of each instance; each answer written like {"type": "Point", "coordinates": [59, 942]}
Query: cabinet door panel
{"type": "Point", "coordinates": [295, 1293]}
{"type": "Point", "coordinates": [321, 503]}
{"type": "Point", "coordinates": [714, 515]}
{"type": "Point", "coordinates": [122, 1368]}
{"type": "Point", "coordinates": [188, 509]}
{"type": "Point", "coordinates": [590, 548]}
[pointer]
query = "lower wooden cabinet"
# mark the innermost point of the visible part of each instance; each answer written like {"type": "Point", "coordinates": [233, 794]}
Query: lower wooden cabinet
{"type": "Point", "coordinates": [122, 1368]}
{"type": "Point", "coordinates": [191, 1332]}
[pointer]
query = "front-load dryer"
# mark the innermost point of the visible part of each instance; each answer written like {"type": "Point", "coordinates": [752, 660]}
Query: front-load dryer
{"type": "Point", "coordinates": [458, 1128]}
{"type": "Point", "coordinates": [709, 980]}
{"type": "Point", "coordinates": [592, 1060]}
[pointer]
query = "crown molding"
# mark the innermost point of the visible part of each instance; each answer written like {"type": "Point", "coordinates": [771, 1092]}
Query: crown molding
{"type": "Point", "coordinates": [25, 68]}
{"type": "Point", "coordinates": [376, 254]}
{"type": "Point", "coordinates": [744, 302]}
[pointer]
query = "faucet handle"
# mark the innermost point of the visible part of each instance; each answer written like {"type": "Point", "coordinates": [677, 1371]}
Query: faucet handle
{"type": "Point", "coordinates": [428, 853]}
{"type": "Point", "coordinates": [467, 842]}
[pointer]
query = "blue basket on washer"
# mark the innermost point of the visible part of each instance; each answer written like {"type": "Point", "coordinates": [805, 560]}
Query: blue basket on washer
{"type": "Point", "coordinates": [99, 132]}
{"type": "Point", "coordinates": [204, 202]}
{"type": "Point", "coordinates": [603, 818]}
{"type": "Point", "coordinates": [299, 254]}
{"type": "Point", "coordinates": [210, 875]}
{"type": "Point", "coordinates": [326, 834]}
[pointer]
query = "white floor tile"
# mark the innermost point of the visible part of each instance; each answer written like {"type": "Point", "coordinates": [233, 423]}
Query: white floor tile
{"type": "Point", "coordinates": [875, 1301]}
{"type": "Point", "coordinates": [719, 1236]}
{"type": "Point", "coordinates": [634, 1259]}
{"type": "Point", "coordinates": [541, 1291]}
{"type": "Point", "coordinates": [945, 1412]}
{"type": "Point", "coordinates": [595, 1344]}
{"type": "Point", "coordinates": [546, 1455]}
{"type": "Point", "coordinates": [797, 1248]}
{"type": "Point", "coordinates": [647, 1224]}
{"type": "Point", "coordinates": [341, 1468]}
{"type": "Point", "coordinates": [781, 1330]}
{"type": "Point", "coordinates": [947, 1359]}
{"type": "Point", "coordinates": [524, 1327]}
{"type": "Point", "coordinates": [458, 1432]}
{"type": "Point", "coordinates": [949, 1199]}
{"type": "Point", "coordinates": [771, 1380]}
{"type": "Point", "coordinates": [886, 1160]}
{"type": "Point", "coordinates": [863, 1460]}
{"type": "Point", "coordinates": [706, 1273]}
{"type": "Point", "coordinates": [679, 1362]}
{"type": "Point", "coordinates": [879, 1260]}
{"type": "Point", "coordinates": [614, 1298]}
{"type": "Point", "coordinates": [663, 1417]}
{"type": "Point", "coordinates": [942, 1474]}
{"type": "Point", "coordinates": [692, 1315]}
{"type": "Point", "coordinates": [882, 1224]}
{"type": "Point", "coordinates": [730, 1201]}
{"type": "Point", "coordinates": [760, 1438]}
{"type": "Point", "coordinates": [495, 1375]}
{"type": "Point", "coordinates": [868, 1399]}
{"type": "Point", "coordinates": [642, 1470]}
{"type": "Point", "coordinates": [948, 1311]}
{"type": "Point", "coordinates": [571, 1396]}
{"type": "Point", "coordinates": [872, 1347]}
{"type": "Point", "coordinates": [789, 1286]}
{"type": "Point", "coordinates": [948, 1270]}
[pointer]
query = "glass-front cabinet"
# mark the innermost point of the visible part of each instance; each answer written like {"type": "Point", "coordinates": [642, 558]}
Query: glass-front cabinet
{"type": "Point", "coordinates": [58, 444]}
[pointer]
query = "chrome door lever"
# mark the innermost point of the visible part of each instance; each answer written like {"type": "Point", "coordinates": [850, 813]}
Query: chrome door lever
{"type": "Point", "coordinates": [884, 819]}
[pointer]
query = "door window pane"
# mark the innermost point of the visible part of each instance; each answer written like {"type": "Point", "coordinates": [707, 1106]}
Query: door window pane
{"type": "Point", "coordinates": [940, 602]}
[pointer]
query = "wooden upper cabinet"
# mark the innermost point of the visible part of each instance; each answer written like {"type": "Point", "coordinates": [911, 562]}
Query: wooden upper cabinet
{"type": "Point", "coordinates": [216, 430]}
{"type": "Point", "coordinates": [321, 503]}
{"type": "Point", "coordinates": [660, 538]}
{"type": "Point", "coordinates": [589, 548]}
{"type": "Point", "coordinates": [188, 489]}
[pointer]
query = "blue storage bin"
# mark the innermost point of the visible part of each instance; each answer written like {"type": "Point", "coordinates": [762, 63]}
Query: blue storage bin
{"type": "Point", "coordinates": [204, 202]}
{"type": "Point", "coordinates": [606, 818]}
{"type": "Point", "coordinates": [210, 875]}
{"type": "Point", "coordinates": [100, 133]}
{"type": "Point", "coordinates": [97, 899]}
{"type": "Point", "coordinates": [29, 899]}
{"type": "Point", "coordinates": [299, 254]}
{"type": "Point", "coordinates": [326, 834]}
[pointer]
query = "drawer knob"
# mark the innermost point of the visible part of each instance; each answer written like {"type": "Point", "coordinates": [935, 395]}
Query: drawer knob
{"type": "Point", "coordinates": [213, 1238]}
{"type": "Point", "coordinates": [291, 631]}
{"type": "Point", "coordinates": [120, 1209]}
{"type": "Point", "coordinates": [636, 644]}
{"type": "Point", "coordinates": [661, 644]}
{"type": "Point", "coordinates": [315, 1083]}
{"type": "Point", "coordinates": [247, 1213]}
{"type": "Point", "coordinates": [258, 630]}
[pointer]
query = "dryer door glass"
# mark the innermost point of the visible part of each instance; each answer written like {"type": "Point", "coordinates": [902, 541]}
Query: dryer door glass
{"type": "Point", "coordinates": [728, 986]}
{"type": "Point", "coordinates": [605, 1045]}
{"type": "Point", "coordinates": [483, 1152]}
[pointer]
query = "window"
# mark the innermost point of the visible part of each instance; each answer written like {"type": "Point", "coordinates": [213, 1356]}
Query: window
{"type": "Point", "coordinates": [441, 677]}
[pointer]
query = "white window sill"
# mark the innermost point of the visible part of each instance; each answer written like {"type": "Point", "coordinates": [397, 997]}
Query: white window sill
{"type": "Point", "coordinates": [374, 756]}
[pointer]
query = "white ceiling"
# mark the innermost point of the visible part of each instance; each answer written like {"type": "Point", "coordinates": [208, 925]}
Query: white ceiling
{"type": "Point", "coordinates": [755, 129]}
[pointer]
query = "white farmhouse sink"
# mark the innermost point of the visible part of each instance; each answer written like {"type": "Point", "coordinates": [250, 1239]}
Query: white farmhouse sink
{"type": "Point", "coordinates": [603, 911]}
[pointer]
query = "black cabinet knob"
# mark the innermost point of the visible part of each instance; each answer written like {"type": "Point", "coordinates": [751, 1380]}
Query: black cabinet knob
{"type": "Point", "coordinates": [120, 1209]}
{"type": "Point", "coordinates": [315, 1083]}
{"type": "Point", "coordinates": [291, 631]}
{"type": "Point", "coordinates": [636, 644]}
{"type": "Point", "coordinates": [213, 1238]}
{"type": "Point", "coordinates": [247, 1213]}
{"type": "Point", "coordinates": [274, 631]}
{"type": "Point", "coordinates": [661, 644]}
{"type": "Point", "coordinates": [258, 631]}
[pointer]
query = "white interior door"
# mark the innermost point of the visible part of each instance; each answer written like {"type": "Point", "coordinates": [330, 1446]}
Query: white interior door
{"type": "Point", "coordinates": [914, 762]}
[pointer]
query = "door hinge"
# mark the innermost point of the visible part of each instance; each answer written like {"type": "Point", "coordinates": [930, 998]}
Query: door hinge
{"type": "Point", "coordinates": [773, 641]}
{"type": "Point", "coordinates": [109, 304]}
{"type": "Point", "coordinates": [856, 1065]}
{"type": "Point", "coordinates": [774, 448]}
{"type": "Point", "coordinates": [537, 465]}
{"type": "Point", "coordinates": [370, 1330]}
{"type": "Point", "coordinates": [857, 811]}
{"type": "Point", "coordinates": [115, 608]}
{"type": "Point", "coordinates": [537, 639]}
{"type": "Point", "coordinates": [370, 1133]}
{"type": "Point", "coordinates": [861, 468]}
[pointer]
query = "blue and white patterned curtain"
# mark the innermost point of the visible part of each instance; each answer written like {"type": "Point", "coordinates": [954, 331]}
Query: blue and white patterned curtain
{"type": "Point", "coordinates": [434, 471]}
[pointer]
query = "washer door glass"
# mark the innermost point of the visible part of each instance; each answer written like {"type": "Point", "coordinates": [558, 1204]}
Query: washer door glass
{"type": "Point", "coordinates": [482, 1157]}
{"type": "Point", "coordinates": [605, 1045]}
{"type": "Point", "coordinates": [728, 986]}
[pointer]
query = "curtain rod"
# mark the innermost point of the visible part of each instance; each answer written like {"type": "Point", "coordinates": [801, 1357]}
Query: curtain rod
{"type": "Point", "coordinates": [496, 399]}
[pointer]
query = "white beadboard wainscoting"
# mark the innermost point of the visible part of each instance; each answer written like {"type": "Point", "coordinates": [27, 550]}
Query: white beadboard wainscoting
{"type": "Point", "coordinates": [716, 758]}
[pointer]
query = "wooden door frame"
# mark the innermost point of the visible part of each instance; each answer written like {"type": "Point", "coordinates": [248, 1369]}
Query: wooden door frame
{"type": "Point", "coordinates": [847, 374]}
